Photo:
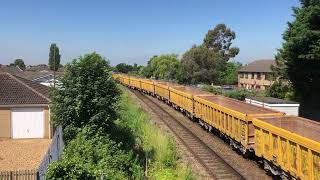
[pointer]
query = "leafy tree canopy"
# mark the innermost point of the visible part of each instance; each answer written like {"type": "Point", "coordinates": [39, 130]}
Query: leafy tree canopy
{"type": "Point", "coordinates": [19, 63]}
{"type": "Point", "coordinates": [220, 40]}
{"type": "Point", "coordinates": [87, 95]}
{"type": "Point", "coordinates": [54, 57]}
{"type": "Point", "coordinates": [164, 66]}
{"type": "Point", "coordinates": [299, 58]}
{"type": "Point", "coordinates": [201, 65]}
{"type": "Point", "coordinates": [207, 63]}
{"type": "Point", "coordinates": [230, 75]}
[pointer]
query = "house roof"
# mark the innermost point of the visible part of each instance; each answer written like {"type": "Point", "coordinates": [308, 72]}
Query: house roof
{"type": "Point", "coordinates": [15, 90]}
{"type": "Point", "coordinates": [10, 69]}
{"type": "Point", "coordinates": [258, 66]}
{"type": "Point", "coordinates": [33, 75]}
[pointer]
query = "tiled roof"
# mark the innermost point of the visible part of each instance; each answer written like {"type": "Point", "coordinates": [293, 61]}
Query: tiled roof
{"type": "Point", "coordinates": [15, 90]}
{"type": "Point", "coordinates": [10, 69]}
{"type": "Point", "coordinates": [258, 66]}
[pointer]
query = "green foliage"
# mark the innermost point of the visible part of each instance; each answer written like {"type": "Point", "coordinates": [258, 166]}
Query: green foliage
{"type": "Point", "coordinates": [201, 65]}
{"type": "Point", "coordinates": [92, 155]}
{"type": "Point", "coordinates": [54, 57]}
{"type": "Point", "coordinates": [87, 95]}
{"type": "Point", "coordinates": [220, 39]}
{"type": "Point", "coordinates": [230, 75]}
{"type": "Point", "coordinates": [159, 148]}
{"type": "Point", "coordinates": [280, 89]}
{"type": "Point", "coordinates": [299, 58]}
{"type": "Point", "coordinates": [19, 63]}
{"type": "Point", "coordinates": [239, 94]}
{"type": "Point", "coordinates": [162, 67]}
{"type": "Point", "coordinates": [127, 68]}
{"type": "Point", "coordinates": [207, 63]}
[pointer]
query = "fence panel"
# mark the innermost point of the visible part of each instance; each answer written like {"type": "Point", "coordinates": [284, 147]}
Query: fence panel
{"type": "Point", "coordinates": [54, 153]}
{"type": "Point", "coordinates": [18, 175]}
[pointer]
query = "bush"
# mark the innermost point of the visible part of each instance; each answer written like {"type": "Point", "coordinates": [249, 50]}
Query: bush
{"type": "Point", "coordinates": [280, 90]}
{"type": "Point", "coordinates": [87, 95]}
{"type": "Point", "coordinates": [239, 94]}
{"type": "Point", "coordinates": [92, 155]}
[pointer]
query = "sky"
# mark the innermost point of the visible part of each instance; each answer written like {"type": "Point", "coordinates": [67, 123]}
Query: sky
{"type": "Point", "coordinates": [133, 31]}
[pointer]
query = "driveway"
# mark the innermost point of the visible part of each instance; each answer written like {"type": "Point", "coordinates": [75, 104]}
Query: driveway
{"type": "Point", "coordinates": [22, 154]}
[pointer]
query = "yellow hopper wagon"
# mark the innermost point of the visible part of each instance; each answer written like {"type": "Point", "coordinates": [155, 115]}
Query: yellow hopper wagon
{"type": "Point", "coordinates": [231, 118]}
{"type": "Point", "coordinates": [135, 83]}
{"type": "Point", "coordinates": [147, 86]}
{"type": "Point", "coordinates": [288, 146]}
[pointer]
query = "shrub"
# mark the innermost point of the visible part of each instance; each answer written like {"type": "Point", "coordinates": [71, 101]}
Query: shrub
{"type": "Point", "coordinates": [92, 155]}
{"type": "Point", "coordinates": [87, 95]}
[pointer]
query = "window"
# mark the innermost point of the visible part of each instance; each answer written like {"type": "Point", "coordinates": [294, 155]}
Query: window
{"type": "Point", "coordinates": [252, 75]}
{"type": "Point", "coordinates": [246, 75]}
{"type": "Point", "coordinates": [258, 87]}
{"type": "Point", "coordinates": [258, 75]}
{"type": "Point", "coordinates": [241, 75]}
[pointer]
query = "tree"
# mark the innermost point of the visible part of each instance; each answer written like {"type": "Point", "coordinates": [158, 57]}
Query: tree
{"type": "Point", "coordinates": [279, 89]}
{"type": "Point", "coordinates": [123, 68]}
{"type": "Point", "coordinates": [230, 75]}
{"type": "Point", "coordinates": [201, 65]}
{"type": "Point", "coordinates": [299, 58]}
{"type": "Point", "coordinates": [206, 63]}
{"type": "Point", "coordinates": [19, 63]}
{"type": "Point", "coordinates": [220, 39]}
{"type": "Point", "coordinates": [165, 66]}
{"type": "Point", "coordinates": [87, 95]}
{"type": "Point", "coordinates": [54, 57]}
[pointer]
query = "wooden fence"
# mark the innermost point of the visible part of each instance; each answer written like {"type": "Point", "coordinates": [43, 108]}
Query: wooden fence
{"type": "Point", "coordinates": [19, 175]}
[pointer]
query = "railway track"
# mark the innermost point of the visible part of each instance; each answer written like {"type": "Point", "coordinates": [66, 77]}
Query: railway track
{"type": "Point", "coordinates": [215, 165]}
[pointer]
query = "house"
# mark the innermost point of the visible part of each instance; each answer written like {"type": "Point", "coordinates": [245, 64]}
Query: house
{"type": "Point", "coordinates": [24, 108]}
{"type": "Point", "coordinates": [256, 75]}
{"type": "Point", "coordinates": [42, 77]}
{"type": "Point", "coordinates": [39, 74]}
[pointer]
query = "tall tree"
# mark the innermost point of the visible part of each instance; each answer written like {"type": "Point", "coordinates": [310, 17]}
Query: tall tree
{"type": "Point", "coordinates": [19, 63]}
{"type": "Point", "coordinates": [201, 65]}
{"type": "Point", "coordinates": [299, 58]}
{"type": "Point", "coordinates": [54, 57]}
{"type": "Point", "coordinates": [206, 63]}
{"type": "Point", "coordinates": [220, 40]}
{"type": "Point", "coordinates": [87, 95]}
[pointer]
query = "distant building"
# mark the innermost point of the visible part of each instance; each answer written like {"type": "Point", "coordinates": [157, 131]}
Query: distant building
{"type": "Point", "coordinates": [286, 106]}
{"type": "Point", "coordinates": [39, 73]}
{"type": "Point", "coordinates": [256, 75]}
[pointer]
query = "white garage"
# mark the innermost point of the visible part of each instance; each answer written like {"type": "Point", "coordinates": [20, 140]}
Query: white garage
{"type": "Point", "coordinates": [27, 123]}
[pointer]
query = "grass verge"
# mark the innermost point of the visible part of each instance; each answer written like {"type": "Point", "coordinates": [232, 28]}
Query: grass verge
{"type": "Point", "coordinates": [159, 150]}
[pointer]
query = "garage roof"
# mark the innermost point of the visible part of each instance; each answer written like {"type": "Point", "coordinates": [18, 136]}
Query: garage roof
{"type": "Point", "coordinates": [15, 90]}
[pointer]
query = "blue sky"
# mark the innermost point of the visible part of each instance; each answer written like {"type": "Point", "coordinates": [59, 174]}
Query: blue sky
{"type": "Point", "coordinates": [133, 31]}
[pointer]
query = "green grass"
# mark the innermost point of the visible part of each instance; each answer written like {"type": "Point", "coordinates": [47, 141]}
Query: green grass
{"type": "Point", "coordinates": [159, 150]}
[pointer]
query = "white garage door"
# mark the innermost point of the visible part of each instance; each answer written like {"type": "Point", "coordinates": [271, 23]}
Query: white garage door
{"type": "Point", "coordinates": [27, 123]}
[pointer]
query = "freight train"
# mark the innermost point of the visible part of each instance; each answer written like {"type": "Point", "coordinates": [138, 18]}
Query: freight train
{"type": "Point", "coordinates": [286, 146]}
